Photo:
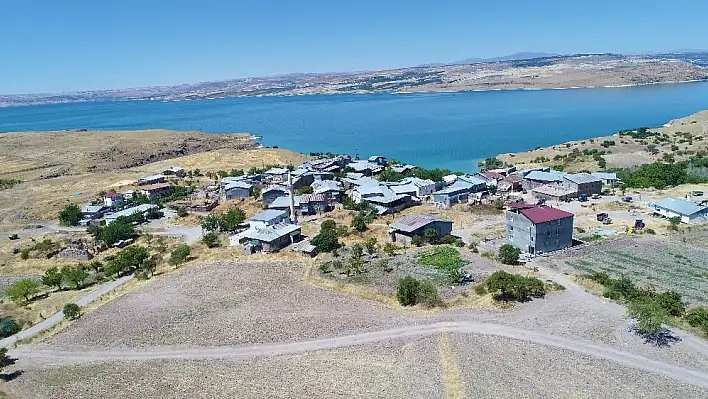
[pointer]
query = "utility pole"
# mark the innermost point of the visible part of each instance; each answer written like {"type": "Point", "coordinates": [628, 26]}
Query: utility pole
{"type": "Point", "coordinates": [293, 217]}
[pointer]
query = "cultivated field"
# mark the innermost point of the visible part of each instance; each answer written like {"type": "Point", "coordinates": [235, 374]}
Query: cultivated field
{"type": "Point", "coordinates": [649, 261]}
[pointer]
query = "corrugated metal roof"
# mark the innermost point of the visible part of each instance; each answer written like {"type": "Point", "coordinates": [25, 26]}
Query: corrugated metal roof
{"type": "Point", "coordinates": [237, 184]}
{"type": "Point", "coordinates": [131, 211]}
{"type": "Point", "coordinates": [276, 171]}
{"type": "Point", "coordinates": [605, 175]}
{"type": "Point", "coordinates": [682, 207]}
{"type": "Point", "coordinates": [582, 178]}
{"type": "Point", "coordinates": [457, 187]}
{"type": "Point", "coordinates": [267, 216]}
{"type": "Point", "coordinates": [275, 188]}
{"type": "Point", "coordinates": [418, 181]}
{"type": "Point", "coordinates": [270, 233]}
{"type": "Point", "coordinates": [284, 202]}
{"type": "Point", "coordinates": [474, 179]}
{"type": "Point", "coordinates": [542, 214]}
{"type": "Point", "coordinates": [413, 222]}
{"type": "Point", "coordinates": [545, 176]}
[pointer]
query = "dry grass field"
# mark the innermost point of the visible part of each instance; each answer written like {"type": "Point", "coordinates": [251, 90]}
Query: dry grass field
{"type": "Point", "coordinates": [60, 167]}
{"type": "Point", "coordinates": [268, 303]}
{"type": "Point", "coordinates": [627, 151]}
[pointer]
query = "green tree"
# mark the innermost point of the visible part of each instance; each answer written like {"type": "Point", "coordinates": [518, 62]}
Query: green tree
{"type": "Point", "coordinates": [22, 291]}
{"type": "Point", "coordinates": [675, 220]}
{"type": "Point", "coordinates": [52, 278]}
{"type": "Point", "coordinates": [71, 215]}
{"type": "Point", "coordinates": [326, 241]}
{"type": "Point", "coordinates": [211, 240]}
{"type": "Point", "coordinates": [256, 192]}
{"type": "Point", "coordinates": [359, 223]}
{"type": "Point", "coordinates": [179, 255]}
{"type": "Point", "coordinates": [154, 213]}
{"type": "Point", "coordinates": [407, 291]}
{"type": "Point", "coordinates": [514, 287]}
{"type": "Point", "coordinates": [648, 313]}
{"type": "Point", "coordinates": [8, 326]}
{"type": "Point", "coordinates": [371, 245]}
{"type": "Point", "coordinates": [71, 311]}
{"type": "Point", "coordinates": [210, 223]}
{"type": "Point", "coordinates": [147, 267]}
{"type": "Point", "coordinates": [120, 229]}
{"type": "Point", "coordinates": [509, 255]}
{"type": "Point", "coordinates": [231, 220]}
{"type": "Point", "coordinates": [75, 276]}
{"type": "Point", "coordinates": [182, 212]}
{"type": "Point", "coordinates": [126, 261]}
{"type": "Point", "coordinates": [329, 224]}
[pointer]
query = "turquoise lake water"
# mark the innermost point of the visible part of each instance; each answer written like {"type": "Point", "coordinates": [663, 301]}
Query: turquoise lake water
{"type": "Point", "coordinates": [451, 130]}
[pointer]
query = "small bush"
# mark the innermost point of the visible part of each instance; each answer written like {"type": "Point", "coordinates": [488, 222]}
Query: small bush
{"type": "Point", "coordinates": [25, 253]}
{"type": "Point", "coordinates": [650, 231]}
{"type": "Point", "coordinates": [480, 289]}
{"type": "Point", "coordinates": [407, 291]}
{"type": "Point", "coordinates": [71, 311]}
{"type": "Point", "coordinates": [417, 240]}
{"type": "Point", "coordinates": [181, 212]}
{"type": "Point", "coordinates": [509, 255]}
{"type": "Point", "coordinates": [428, 294]}
{"type": "Point", "coordinates": [211, 240]}
{"type": "Point", "coordinates": [8, 326]}
{"type": "Point", "coordinates": [698, 317]}
{"type": "Point", "coordinates": [371, 245]}
{"type": "Point", "coordinates": [385, 265]}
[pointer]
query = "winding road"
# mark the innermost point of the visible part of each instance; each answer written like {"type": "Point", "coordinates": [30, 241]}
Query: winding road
{"type": "Point", "coordinates": [686, 375]}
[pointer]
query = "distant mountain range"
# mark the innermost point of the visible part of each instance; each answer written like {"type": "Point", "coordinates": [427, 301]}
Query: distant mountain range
{"type": "Point", "coordinates": [510, 57]}
{"type": "Point", "coordinates": [525, 71]}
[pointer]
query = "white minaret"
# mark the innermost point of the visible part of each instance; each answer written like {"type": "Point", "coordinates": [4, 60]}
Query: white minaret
{"type": "Point", "coordinates": [293, 216]}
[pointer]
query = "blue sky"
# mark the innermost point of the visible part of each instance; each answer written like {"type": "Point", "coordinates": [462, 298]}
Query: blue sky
{"type": "Point", "coordinates": [53, 46]}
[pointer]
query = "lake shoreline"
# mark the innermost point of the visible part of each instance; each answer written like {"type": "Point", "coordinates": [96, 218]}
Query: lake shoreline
{"type": "Point", "coordinates": [393, 93]}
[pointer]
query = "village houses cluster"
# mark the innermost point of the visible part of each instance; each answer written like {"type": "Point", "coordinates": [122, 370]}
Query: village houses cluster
{"type": "Point", "coordinates": [324, 184]}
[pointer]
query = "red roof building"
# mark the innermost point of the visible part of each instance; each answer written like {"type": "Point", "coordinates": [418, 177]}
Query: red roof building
{"type": "Point", "coordinates": [542, 214]}
{"type": "Point", "coordinates": [537, 229]}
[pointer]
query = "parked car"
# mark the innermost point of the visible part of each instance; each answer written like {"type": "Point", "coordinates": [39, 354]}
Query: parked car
{"type": "Point", "coordinates": [596, 196]}
{"type": "Point", "coordinates": [13, 237]}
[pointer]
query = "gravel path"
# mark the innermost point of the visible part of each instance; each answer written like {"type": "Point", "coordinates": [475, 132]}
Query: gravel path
{"type": "Point", "coordinates": [605, 352]}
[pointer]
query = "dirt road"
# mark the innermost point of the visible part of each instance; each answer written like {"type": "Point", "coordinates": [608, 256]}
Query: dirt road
{"type": "Point", "coordinates": [245, 352]}
{"type": "Point", "coordinates": [59, 316]}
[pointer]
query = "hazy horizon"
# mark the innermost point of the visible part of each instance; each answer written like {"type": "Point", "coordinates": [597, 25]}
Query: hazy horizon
{"type": "Point", "coordinates": [87, 46]}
